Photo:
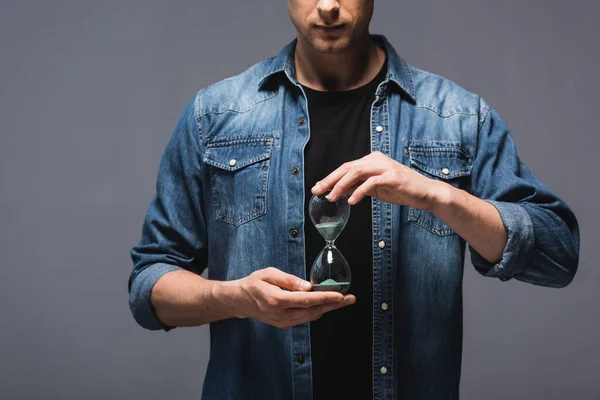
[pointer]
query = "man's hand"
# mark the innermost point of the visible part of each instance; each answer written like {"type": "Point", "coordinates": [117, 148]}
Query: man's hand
{"type": "Point", "coordinates": [262, 296]}
{"type": "Point", "coordinates": [477, 221]}
{"type": "Point", "coordinates": [379, 176]}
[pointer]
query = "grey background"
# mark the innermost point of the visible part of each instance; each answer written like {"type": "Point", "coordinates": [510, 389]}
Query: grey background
{"type": "Point", "coordinates": [89, 93]}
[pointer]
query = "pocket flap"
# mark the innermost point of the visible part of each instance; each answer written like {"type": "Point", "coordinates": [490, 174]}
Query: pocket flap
{"type": "Point", "coordinates": [234, 155]}
{"type": "Point", "coordinates": [444, 160]}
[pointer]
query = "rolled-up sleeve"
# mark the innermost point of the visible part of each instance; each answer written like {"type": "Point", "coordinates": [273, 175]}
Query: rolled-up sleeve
{"type": "Point", "coordinates": [140, 295]}
{"type": "Point", "coordinates": [543, 232]}
{"type": "Point", "coordinates": [174, 232]}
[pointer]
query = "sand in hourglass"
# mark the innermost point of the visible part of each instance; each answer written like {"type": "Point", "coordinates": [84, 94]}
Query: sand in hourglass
{"type": "Point", "coordinates": [330, 284]}
{"type": "Point", "coordinates": [330, 230]}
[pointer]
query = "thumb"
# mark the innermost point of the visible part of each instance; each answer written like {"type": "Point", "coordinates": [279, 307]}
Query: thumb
{"type": "Point", "coordinates": [284, 280]}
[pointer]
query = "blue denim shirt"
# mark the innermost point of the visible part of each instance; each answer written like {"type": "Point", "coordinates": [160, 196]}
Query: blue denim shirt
{"type": "Point", "coordinates": [227, 201]}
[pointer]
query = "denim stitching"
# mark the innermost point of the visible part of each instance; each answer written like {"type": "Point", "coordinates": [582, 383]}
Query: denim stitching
{"type": "Point", "coordinates": [414, 218]}
{"type": "Point", "coordinates": [242, 111]}
{"type": "Point", "coordinates": [446, 113]}
{"type": "Point", "coordinates": [264, 176]}
{"type": "Point", "coordinates": [388, 268]}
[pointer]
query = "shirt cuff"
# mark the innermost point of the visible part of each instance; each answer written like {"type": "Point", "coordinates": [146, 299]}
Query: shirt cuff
{"type": "Point", "coordinates": [140, 301]}
{"type": "Point", "coordinates": [521, 241]}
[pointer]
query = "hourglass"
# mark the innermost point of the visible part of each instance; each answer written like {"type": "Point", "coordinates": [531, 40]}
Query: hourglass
{"type": "Point", "coordinates": [330, 270]}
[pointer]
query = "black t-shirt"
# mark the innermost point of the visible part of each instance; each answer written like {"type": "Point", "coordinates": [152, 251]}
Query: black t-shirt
{"type": "Point", "coordinates": [342, 340]}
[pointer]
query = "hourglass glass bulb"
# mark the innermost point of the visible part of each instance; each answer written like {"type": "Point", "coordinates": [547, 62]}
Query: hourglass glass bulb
{"type": "Point", "coordinates": [329, 218]}
{"type": "Point", "coordinates": [330, 271]}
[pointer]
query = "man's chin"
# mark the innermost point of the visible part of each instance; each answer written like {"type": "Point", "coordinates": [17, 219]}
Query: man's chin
{"type": "Point", "coordinates": [330, 46]}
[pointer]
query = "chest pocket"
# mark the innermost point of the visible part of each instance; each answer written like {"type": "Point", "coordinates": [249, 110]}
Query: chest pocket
{"type": "Point", "coordinates": [449, 162]}
{"type": "Point", "coordinates": [239, 172]}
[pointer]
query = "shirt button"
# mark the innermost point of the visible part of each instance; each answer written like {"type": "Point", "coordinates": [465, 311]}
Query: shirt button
{"type": "Point", "coordinates": [300, 359]}
{"type": "Point", "coordinates": [381, 244]}
{"type": "Point", "coordinates": [294, 233]}
{"type": "Point", "coordinates": [295, 171]}
{"type": "Point", "coordinates": [232, 163]}
{"type": "Point", "coordinates": [379, 128]}
{"type": "Point", "coordinates": [384, 306]}
{"type": "Point", "coordinates": [445, 171]}
{"type": "Point", "coordinates": [383, 370]}
{"type": "Point", "coordinates": [301, 122]}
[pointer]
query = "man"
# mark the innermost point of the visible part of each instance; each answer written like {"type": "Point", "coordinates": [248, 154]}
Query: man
{"type": "Point", "coordinates": [427, 167]}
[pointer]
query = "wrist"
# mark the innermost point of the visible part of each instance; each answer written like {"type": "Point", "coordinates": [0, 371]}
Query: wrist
{"type": "Point", "coordinates": [228, 294]}
{"type": "Point", "coordinates": [443, 197]}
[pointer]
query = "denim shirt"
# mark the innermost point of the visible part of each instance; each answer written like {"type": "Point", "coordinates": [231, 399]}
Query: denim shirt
{"type": "Point", "coordinates": [229, 200]}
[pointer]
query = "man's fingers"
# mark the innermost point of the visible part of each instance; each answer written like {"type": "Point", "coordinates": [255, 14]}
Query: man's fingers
{"type": "Point", "coordinates": [347, 175]}
{"type": "Point", "coordinates": [347, 300]}
{"type": "Point", "coordinates": [364, 189]}
{"type": "Point", "coordinates": [374, 163]}
{"type": "Point", "coordinates": [284, 280]}
{"type": "Point", "coordinates": [297, 296]}
{"type": "Point", "coordinates": [354, 175]}
{"type": "Point", "coordinates": [300, 315]}
{"type": "Point", "coordinates": [325, 184]}
{"type": "Point", "coordinates": [308, 299]}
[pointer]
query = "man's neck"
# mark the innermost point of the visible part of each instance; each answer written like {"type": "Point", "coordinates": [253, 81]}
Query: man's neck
{"type": "Point", "coordinates": [348, 70]}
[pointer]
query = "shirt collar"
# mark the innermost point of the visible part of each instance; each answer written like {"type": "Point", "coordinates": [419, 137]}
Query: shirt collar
{"type": "Point", "coordinates": [398, 71]}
